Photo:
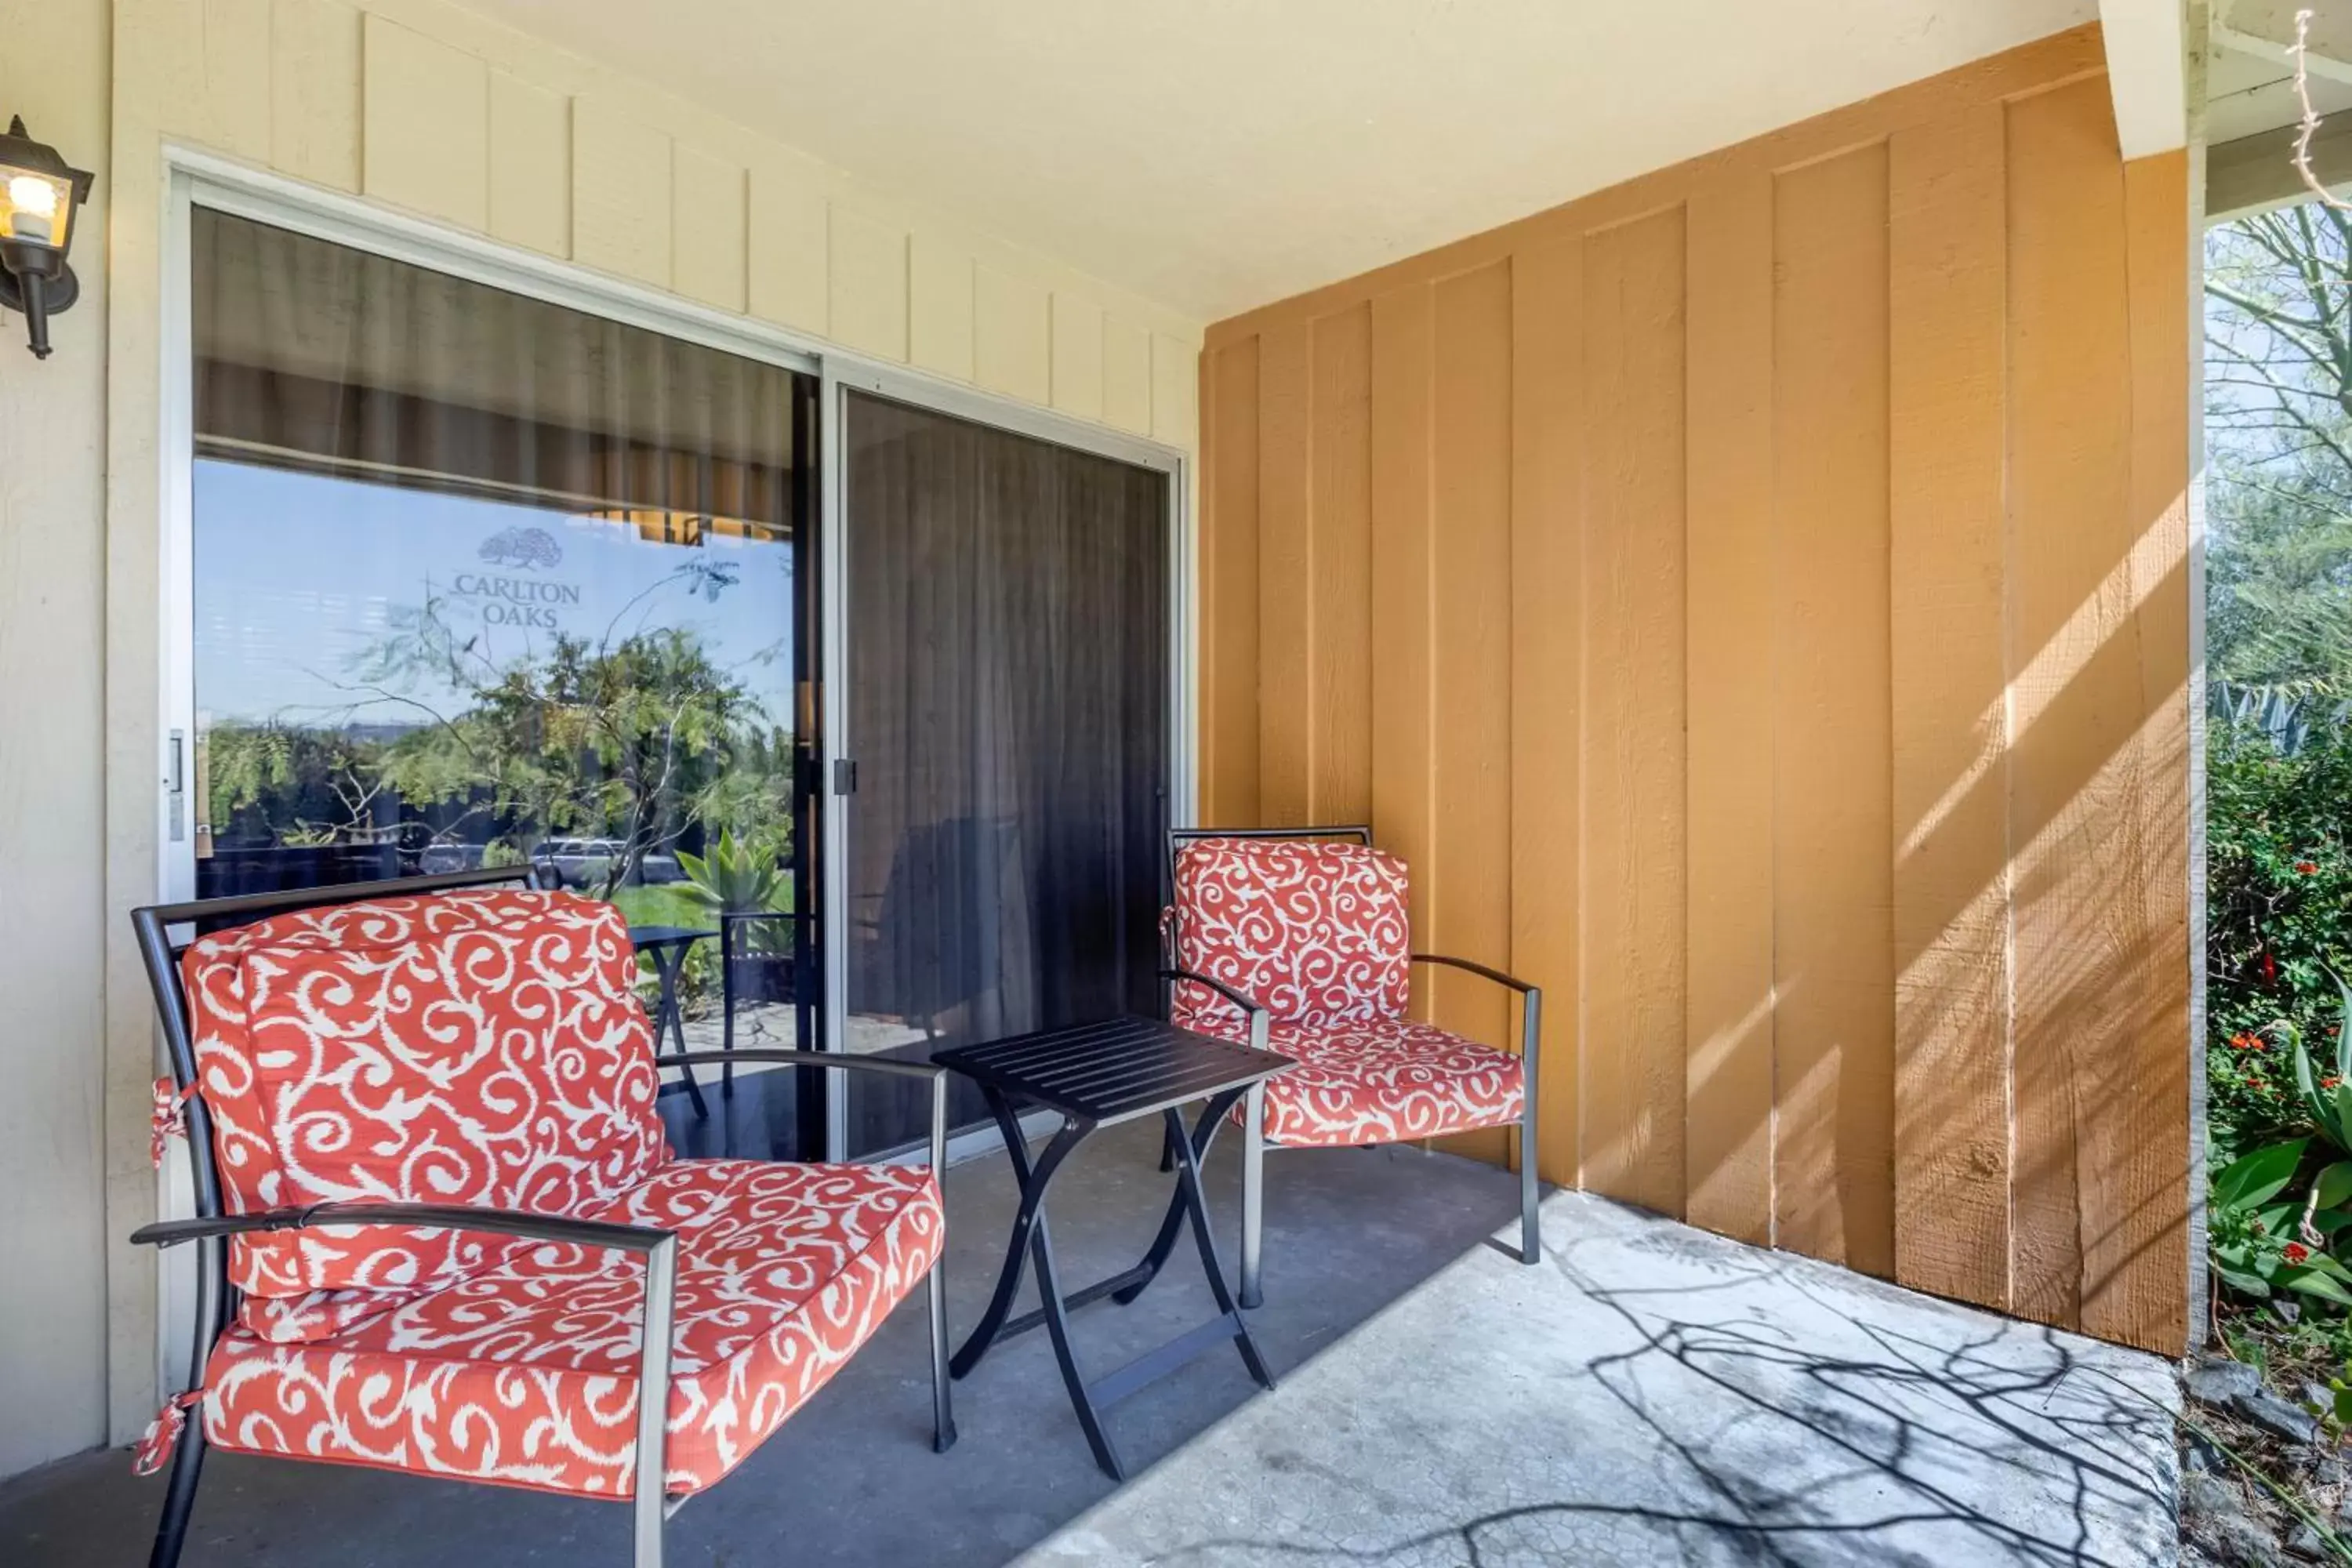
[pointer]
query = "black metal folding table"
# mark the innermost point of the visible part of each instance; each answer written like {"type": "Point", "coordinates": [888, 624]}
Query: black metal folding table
{"type": "Point", "coordinates": [1097, 1076]}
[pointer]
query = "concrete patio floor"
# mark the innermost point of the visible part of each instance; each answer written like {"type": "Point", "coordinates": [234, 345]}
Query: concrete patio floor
{"type": "Point", "coordinates": [1654, 1394]}
{"type": "Point", "coordinates": [1649, 1395]}
{"type": "Point", "coordinates": [850, 1481]}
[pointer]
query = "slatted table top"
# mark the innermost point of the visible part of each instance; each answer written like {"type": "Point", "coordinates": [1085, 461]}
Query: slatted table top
{"type": "Point", "coordinates": [1114, 1070]}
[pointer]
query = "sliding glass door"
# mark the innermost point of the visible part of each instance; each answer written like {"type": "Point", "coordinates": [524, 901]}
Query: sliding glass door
{"type": "Point", "coordinates": [1007, 741]}
{"type": "Point", "coordinates": [479, 580]}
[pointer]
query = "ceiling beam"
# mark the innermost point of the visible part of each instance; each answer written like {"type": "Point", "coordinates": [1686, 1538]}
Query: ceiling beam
{"type": "Point", "coordinates": [2257, 172]}
{"type": "Point", "coordinates": [2148, 52]}
{"type": "Point", "coordinates": [2266, 27]}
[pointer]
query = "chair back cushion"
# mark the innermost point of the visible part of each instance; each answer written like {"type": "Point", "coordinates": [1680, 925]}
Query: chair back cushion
{"type": "Point", "coordinates": [1313, 931]}
{"type": "Point", "coordinates": [479, 1046]}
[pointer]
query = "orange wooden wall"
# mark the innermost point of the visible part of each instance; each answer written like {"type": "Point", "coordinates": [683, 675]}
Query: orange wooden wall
{"type": "Point", "coordinates": [1754, 599]}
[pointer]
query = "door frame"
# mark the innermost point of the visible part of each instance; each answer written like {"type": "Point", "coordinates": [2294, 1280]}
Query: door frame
{"type": "Point", "coordinates": [842, 375]}
{"type": "Point", "coordinates": [194, 177]}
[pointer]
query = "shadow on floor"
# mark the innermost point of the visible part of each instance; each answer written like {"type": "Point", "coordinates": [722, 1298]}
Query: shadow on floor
{"type": "Point", "coordinates": [850, 1481]}
{"type": "Point", "coordinates": [1657, 1395]}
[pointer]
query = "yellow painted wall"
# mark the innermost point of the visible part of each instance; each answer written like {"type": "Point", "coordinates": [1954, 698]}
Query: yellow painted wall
{"type": "Point", "coordinates": [53, 1338]}
{"type": "Point", "coordinates": [419, 105]}
{"type": "Point", "coordinates": [1754, 599]}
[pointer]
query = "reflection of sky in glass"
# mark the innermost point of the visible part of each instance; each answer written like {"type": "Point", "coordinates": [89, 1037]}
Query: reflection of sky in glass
{"type": "Point", "coordinates": [299, 577]}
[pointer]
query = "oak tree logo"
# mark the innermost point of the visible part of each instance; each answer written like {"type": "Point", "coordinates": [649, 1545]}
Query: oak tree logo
{"type": "Point", "coordinates": [534, 547]}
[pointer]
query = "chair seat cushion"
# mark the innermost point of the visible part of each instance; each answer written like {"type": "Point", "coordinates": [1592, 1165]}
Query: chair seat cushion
{"type": "Point", "coordinates": [1383, 1082]}
{"type": "Point", "coordinates": [526, 1373]}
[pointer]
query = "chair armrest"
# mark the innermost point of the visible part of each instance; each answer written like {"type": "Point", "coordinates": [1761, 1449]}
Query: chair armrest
{"type": "Point", "coordinates": [1219, 987]}
{"type": "Point", "coordinates": [1261, 1020]}
{"type": "Point", "coordinates": [1480, 969]}
{"type": "Point", "coordinates": [636, 1238]}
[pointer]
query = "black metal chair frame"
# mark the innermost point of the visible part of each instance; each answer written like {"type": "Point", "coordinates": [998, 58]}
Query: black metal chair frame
{"type": "Point", "coordinates": [1253, 1144]}
{"type": "Point", "coordinates": [212, 1227]}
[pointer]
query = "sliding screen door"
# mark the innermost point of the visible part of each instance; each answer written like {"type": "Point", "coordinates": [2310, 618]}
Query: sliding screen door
{"type": "Point", "coordinates": [1008, 713]}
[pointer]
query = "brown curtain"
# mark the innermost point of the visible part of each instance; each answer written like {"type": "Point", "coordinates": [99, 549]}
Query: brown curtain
{"type": "Point", "coordinates": [1009, 713]}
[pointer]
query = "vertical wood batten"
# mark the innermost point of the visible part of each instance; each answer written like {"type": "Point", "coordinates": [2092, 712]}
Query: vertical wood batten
{"type": "Point", "coordinates": [1340, 588]}
{"type": "Point", "coordinates": [1846, 680]}
{"type": "Point", "coordinates": [1228, 571]}
{"type": "Point", "coordinates": [1546, 672]}
{"type": "Point", "coordinates": [1634, 1094]}
{"type": "Point", "coordinates": [1947, 299]}
{"type": "Point", "coordinates": [1285, 727]}
{"type": "Point", "coordinates": [1728, 1157]}
{"type": "Point", "coordinates": [2138, 1244]}
{"type": "Point", "coordinates": [2077, 796]}
{"type": "Point", "coordinates": [1833, 922]}
{"type": "Point", "coordinates": [1403, 335]}
{"type": "Point", "coordinates": [1469, 866]}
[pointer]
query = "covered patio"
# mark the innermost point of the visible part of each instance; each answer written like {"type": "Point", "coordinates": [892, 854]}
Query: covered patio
{"type": "Point", "coordinates": [1651, 1394]}
{"type": "Point", "coordinates": [1582, 619]}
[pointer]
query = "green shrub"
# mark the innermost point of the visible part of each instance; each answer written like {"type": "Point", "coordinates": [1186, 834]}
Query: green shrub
{"type": "Point", "coordinates": [2278, 919]}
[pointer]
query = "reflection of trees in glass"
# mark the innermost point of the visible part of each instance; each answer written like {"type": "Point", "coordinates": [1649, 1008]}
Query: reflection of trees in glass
{"type": "Point", "coordinates": [636, 740]}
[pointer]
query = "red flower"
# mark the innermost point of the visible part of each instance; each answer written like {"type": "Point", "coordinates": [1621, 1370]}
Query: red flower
{"type": "Point", "coordinates": [2307, 868]}
{"type": "Point", "coordinates": [2270, 969]}
{"type": "Point", "coordinates": [2252, 1082]}
{"type": "Point", "coordinates": [2329, 1082]}
{"type": "Point", "coordinates": [2296, 1252]}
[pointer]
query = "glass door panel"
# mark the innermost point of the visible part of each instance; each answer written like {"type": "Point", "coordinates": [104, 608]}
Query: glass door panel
{"type": "Point", "coordinates": [1007, 692]}
{"type": "Point", "coordinates": [479, 580]}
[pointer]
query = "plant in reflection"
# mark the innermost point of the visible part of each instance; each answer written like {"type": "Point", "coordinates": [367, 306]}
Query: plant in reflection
{"type": "Point", "coordinates": [743, 879]}
{"type": "Point", "coordinates": [598, 758]}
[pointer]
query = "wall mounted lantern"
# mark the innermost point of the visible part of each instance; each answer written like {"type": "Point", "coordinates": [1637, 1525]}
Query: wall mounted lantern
{"type": "Point", "coordinates": [41, 198]}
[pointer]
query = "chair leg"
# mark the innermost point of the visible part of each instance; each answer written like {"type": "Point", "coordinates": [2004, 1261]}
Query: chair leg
{"type": "Point", "coordinates": [943, 1430]}
{"type": "Point", "coordinates": [180, 1495]}
{"type": "Point", "coordinates": [1253, 1192]}
{"type": "Point", "coordinates": [1530, 1039]}
{"type": "Point", "coordinates": [1167, 1151]}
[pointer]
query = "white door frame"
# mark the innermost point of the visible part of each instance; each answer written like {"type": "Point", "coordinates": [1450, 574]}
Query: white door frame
{"type": "Point", "coordinates": [839, 378]}
{"type": "Point", "coordinates": [194, 177]}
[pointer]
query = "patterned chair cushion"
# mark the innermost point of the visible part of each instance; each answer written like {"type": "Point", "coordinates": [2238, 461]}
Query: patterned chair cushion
{"type": "Point", "coordinates": [1311, 929]}
{"type": "Point", "coordinates": [467, 1048]}
{"type": "Point", "coordinates": [1385, 1082]}
{"type": "Point", "coordinates": [526, 1373]}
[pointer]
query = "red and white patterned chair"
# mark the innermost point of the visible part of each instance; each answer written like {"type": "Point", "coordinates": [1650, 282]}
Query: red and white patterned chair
{"type": "Point", "coordinates": [541, 1296]}
{"type": "Point", "coordinates": [1297, 940]}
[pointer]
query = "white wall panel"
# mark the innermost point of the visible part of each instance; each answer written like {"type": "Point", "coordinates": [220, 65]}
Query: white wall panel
{"type": "Point", "coordinates": [620, 192]}
{"type": "Point", "coordinates": [426, 126]}
{"type": "Point", "coordinates": [530, 165]}
{"type": "Point", "coordinates": [708, 254]}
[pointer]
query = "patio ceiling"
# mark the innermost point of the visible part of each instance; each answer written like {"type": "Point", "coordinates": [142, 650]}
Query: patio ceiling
{"type": "Point", "coordinates": [1220, 155]}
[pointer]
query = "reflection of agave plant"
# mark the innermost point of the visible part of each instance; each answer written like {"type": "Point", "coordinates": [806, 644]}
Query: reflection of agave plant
{"type": "Point", "coordinates": [737, 878]}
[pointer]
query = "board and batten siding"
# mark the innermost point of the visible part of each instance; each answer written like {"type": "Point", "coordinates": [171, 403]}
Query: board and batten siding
{"type": "Point", "coordinates": [1754, 599]}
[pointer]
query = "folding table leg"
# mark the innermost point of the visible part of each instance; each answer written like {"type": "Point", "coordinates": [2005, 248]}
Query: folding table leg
{"type": "Point", "coordinates": [1057, 1324]}
{"type": "Point", "coordinates": [1027, 1222]}
{"type": "Point", "coordinates": [1172, 1224]}
{"type": "Point", "coordinates": [1187, 1177]}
